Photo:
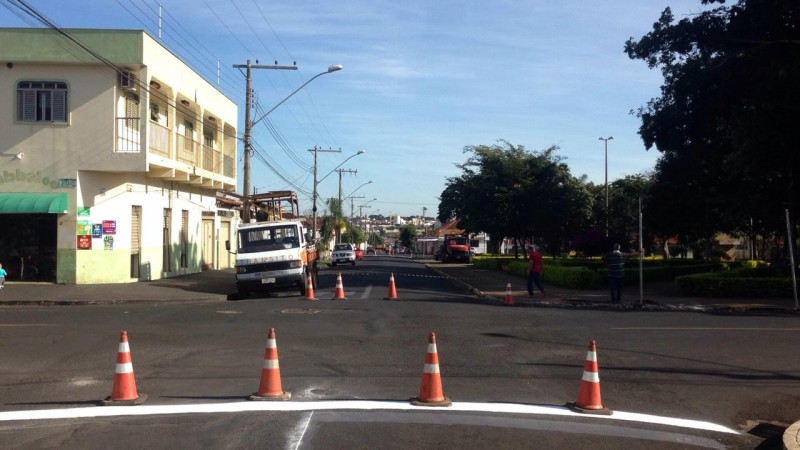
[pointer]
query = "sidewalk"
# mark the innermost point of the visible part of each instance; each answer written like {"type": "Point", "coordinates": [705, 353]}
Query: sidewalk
{"type": "Point", "coordinates": [655, 296]}
{"type": "Point", "coordinates": [207, 286]}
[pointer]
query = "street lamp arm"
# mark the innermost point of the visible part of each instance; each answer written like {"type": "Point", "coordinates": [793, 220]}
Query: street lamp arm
{"type": "Point", "coordinates": [333, 68]}
{"type": "Point", "coordinates": [340, 165]}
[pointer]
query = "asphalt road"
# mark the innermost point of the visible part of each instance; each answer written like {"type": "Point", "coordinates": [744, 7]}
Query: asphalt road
{"type": "Point", "coordinates": [674, 380]}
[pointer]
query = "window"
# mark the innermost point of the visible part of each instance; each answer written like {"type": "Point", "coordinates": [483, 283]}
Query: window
{"type": "Point", "coordinates": [41, 101]}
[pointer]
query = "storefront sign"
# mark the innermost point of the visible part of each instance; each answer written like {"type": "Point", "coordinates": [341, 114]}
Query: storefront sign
{"type": "Point", "coordinates": [109, 227]}
{"type": "Point", "coordinates": [108, 243]}
{"type": "Point", "coordinates": [97, 231]}
{"type": "Point", "coordinates": [84, 242]}
{"type": "Point", "coordinates": [84, 228]}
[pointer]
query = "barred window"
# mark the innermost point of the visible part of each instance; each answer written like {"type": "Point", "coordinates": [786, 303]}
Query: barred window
{"type": "Point", "coordinates": [41, 101]}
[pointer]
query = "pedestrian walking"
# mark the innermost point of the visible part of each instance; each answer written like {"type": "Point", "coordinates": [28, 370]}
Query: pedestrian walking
{"type": "Point", "coordinates": [534, 270]}
{"type": "Point", "coordinates": [3, 274]}
{"type": "Point", "coordinates": [615, 262]}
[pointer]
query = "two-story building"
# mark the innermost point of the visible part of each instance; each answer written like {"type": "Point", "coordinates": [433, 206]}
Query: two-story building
{"type": "Point", "coordinates": [112, 151]}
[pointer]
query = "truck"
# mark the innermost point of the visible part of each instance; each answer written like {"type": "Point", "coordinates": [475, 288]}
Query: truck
{"type": "Point", "coordinates": [276, 253]}
{"type": "Point", "coordinates": [455, 247]}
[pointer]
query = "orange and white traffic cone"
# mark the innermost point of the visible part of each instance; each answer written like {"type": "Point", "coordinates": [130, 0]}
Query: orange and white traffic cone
{"type": "Point", "coordinates": [270, 386]}
{"type": "Point", "coordinates": [509, 298]}
{"type": "Point", "coordinates": [589, 400]}
{"type": "Point", "coordinates": [339, 293]}
{"type": "Point", "coordinates": [309, 289]}
{"type": "Point", "coordinates": [124, 390]}
{"type": "Point", "coordinates": [430, 391]}
{"type": "Point", "coordinates": [392, 295]}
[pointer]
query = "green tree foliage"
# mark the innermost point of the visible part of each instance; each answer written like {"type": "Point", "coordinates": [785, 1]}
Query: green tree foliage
{"type": "Point", "coordinates": [507, 191]}
{"type": "Point", "coordinates": [726, 120]}
{"type": "Point", "coordinates": [332, 222]}
{"type": "Point", "coordinates": [408, 235]}
{"type": "Point", "coordinates": [353, 234]}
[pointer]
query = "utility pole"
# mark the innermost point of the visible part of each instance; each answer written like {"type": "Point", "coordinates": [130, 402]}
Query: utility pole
{"type": "Point", "coordinates": [248, 125]}
{"type": "Point", "coordinates": [352, 206]}
{"type": "Point", "coordinates": [341, 171]}
{"type": "Point", "coordinates": [314, 199]}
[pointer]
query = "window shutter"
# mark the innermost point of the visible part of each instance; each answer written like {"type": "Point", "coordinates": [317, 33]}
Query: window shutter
{"type": "Point", "coordinates": [59, 106]}
{"type": "Point", "coordinates": [29, 105]}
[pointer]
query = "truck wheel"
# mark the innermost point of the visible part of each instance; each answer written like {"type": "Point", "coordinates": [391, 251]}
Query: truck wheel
{"type": "Point", "coordinates": [243, 293]}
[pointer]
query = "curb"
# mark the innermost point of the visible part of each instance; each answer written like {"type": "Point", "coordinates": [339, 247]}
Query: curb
{"type": "Point", "coordinates": [85, 302]}
{"type": "Point", "coordinates": [649, 306]}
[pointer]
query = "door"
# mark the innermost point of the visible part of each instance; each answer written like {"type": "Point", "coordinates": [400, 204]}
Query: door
{"type": "Point", "coordinates": [208, 244]}
{"type": "Point", "coordinates": [224, 256]}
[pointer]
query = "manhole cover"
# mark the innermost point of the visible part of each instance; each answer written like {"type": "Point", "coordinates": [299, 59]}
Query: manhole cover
{"type": "Point", "coordinates": [300, 311]}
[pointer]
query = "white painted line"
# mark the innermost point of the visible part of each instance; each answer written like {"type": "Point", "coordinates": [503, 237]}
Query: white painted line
{"type": "Point", "coordinates": [367, 292]}
{"type": "Point", "coordinates": [367, 405]}
{"type": "Point", "coordinates": [702, 329]}
{"type": "Point", "coordinates": [302, 433]}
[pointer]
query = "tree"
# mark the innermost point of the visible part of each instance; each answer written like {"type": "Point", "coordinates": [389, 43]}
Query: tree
{"type": "Point", "coordinates": [408, 235]}
{"type": "Point", "coordinates": [507, 191]}
{"type": "Point", "coordinates": [726, 118]}
{"type": "Point", "coordinates": [331, 223]}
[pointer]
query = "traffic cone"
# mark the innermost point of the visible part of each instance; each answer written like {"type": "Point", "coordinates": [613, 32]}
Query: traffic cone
{"type": "Point", "coordinates": [309, 289]}
{"type": "Point", "coordinates": [270, 386]}
{"type": "Point", "coordinates": [509, 298]}
{"type": "Point", "coordinates": [392, 295]}
{"type": "Point", "coordinates": [124, 390]}
{"type": "Point", "coordinates": [589, 400]}
{"type": "Point", "coordinates": [339, 293]}
{"type": "Point", "coordinates": [430, 391]}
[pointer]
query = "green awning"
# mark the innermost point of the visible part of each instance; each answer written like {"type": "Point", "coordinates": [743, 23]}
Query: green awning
{"type": "Point", "coordinates": [33, 202]}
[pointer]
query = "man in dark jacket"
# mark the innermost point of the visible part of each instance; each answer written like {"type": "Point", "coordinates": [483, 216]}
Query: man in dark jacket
{"type": "Point", "coordinates": [615, 261]}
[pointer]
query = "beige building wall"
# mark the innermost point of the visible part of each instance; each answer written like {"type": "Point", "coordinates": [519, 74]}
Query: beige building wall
{"type": "Point", "coordinates": [105, 161]}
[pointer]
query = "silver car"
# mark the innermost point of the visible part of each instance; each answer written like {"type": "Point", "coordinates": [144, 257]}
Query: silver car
{"type": "Point", "coordinates": [343, 253]}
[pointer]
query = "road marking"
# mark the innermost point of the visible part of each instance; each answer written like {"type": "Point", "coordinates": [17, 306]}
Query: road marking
{"type": "Point", "coordinates": [367, 291]}
{"type": "Point", "coordinates": [302, 433]}
{"type": "Point", "coordinates": [705, 329]}
{"type": "Point", "coordinates": [367, 405]}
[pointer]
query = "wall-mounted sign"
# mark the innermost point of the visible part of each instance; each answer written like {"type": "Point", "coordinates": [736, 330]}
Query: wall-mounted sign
{"type": "Point", "coordinates": [108, 243]}
{"type": "Point", "coordinates": [109, 227]}
{"type": "Point", "coordinates": [83, 211]}
{"type": "Point", "coordinates": [97, 231]}
{"type": "Point", "coordinates": [84, 228]}
{"type": "Point", "coordinates": [84, 242]}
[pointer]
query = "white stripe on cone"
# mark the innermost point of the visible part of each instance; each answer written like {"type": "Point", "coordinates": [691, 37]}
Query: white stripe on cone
{"type": "Point", "coordinates": [124, 368]}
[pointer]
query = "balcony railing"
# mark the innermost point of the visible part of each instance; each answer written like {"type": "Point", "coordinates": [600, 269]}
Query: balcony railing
{"type": "Point", "coordinates": [164, 142]}
{"type": "Point", "coordinates": [187, 150]}
{"type": "Point", "coordinates": [128, 135]}
{"type": "Point", "coordinates": [159, 140]}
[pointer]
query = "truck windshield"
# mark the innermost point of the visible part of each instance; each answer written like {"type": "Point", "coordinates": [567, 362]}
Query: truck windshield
{"type": "Point", "coordinates": [266, 239]}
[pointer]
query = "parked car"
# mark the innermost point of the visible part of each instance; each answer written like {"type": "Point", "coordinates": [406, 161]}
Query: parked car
{"type": "Point", "coordinates": [359, 254]}
{"type": "Point", "coordinates": [343, 253]}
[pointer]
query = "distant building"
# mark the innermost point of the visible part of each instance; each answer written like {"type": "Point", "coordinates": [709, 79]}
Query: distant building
{"type": "Point", "coordinates": [110, 166]}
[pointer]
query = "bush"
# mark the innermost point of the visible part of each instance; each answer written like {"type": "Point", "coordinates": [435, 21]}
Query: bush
{"type": "Point", "coordinates": [758, 282]}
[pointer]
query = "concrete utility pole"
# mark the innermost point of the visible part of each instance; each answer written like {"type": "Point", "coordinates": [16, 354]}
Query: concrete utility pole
{"type": "Point", "coordinates": [314, 199]}
{"type": "Point", "coordinates": [248, 125]}
{"type": "Point", "coordinates": [341, 171]}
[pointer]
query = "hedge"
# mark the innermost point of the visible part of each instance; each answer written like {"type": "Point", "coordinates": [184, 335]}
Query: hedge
{"type": "Point", "coordinates": [736, 283]}
{"type": "Point", "coordinates": [590, 274]}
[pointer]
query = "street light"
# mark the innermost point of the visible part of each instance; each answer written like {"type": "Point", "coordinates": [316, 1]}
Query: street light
{"type": "Point", "coordinates": [248, 125]}
{"type": "Point", "coordinates": [606, 142]}
{"type": "Point", "coordinates": [317, 182]}
{"type": "Point", "coordinates": [354, 191]}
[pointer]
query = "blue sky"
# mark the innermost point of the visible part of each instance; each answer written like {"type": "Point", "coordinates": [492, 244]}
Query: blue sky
{"type": "Point", "coordinates": [421, 80]}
